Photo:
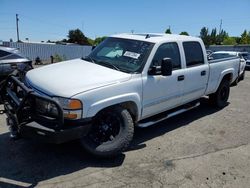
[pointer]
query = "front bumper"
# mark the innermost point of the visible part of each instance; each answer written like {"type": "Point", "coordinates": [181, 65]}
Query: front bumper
{"type": "Point", "coordinates": [38, 132]}
{"type": "Point", "coordinates": [26, 120]}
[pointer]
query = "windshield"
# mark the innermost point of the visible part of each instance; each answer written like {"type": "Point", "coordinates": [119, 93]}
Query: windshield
{"type": "Point", "coordinates": [121, 54]}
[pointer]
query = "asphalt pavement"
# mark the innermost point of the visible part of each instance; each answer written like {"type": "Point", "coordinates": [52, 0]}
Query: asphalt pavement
{"type": "Point", "coordinates": [204, 147]}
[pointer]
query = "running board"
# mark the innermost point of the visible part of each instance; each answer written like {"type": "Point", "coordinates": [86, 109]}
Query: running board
{"type": "Point", "coordinates": [152, 122]}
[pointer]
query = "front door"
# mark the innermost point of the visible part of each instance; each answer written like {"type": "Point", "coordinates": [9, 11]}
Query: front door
{"type": "Point", "coordinates": [163, 92]}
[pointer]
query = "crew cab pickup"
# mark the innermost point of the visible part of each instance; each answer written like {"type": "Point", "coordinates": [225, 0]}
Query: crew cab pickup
{"type": "Point", "coordinates": [128, 80]}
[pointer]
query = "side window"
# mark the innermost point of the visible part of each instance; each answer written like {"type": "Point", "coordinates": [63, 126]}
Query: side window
{"type": "Point", "coordinates": [3, 53]}
{"type": "Point", "coordinates": [193, 53]}
{"type": "Point", "coordinates": [169, 50]}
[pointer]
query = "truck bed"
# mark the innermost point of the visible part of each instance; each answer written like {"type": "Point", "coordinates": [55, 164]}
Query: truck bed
{"type": "Point", "coordinates": [217, 69]}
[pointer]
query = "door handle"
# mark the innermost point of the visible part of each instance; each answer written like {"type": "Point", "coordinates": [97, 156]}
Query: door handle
{"type": "Point", "coordinates": [203, 73]}
{"type": "Point", "coordinates": [181, 77]}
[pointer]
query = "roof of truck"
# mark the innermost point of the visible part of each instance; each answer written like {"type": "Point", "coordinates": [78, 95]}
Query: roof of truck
{"type": "Point", "coordinates": [156, 37]}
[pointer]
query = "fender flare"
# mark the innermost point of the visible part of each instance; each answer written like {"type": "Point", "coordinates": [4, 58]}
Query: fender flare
{"type": "Point", "coordinates": [222, 75]}
{"type": "Point", "coordinates": [102, 104]}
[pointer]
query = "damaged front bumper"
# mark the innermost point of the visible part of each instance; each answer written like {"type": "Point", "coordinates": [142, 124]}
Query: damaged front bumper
{"type": "Point", "coordinates": [26, 119]}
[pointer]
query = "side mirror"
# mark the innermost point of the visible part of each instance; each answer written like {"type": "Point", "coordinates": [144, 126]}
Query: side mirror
{"type": "Point", "coordinates": [166, 67]}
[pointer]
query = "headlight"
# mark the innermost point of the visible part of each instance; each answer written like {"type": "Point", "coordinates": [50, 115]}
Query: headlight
{"type": "Point", "coordinates": [46, 108]}
{"type": "Point", "coordinates": [70, 104]}
{"type": "Point", "coordinates": [72, 108]}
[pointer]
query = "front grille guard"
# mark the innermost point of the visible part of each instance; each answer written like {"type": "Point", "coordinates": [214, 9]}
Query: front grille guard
{"type": "Point", "coordinates": [20, 105]}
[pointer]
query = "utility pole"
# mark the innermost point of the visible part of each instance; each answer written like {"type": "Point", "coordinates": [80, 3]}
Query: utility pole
{"type": "Point", "coordinates": [17, 29]}
{"type": "Point", "coordinates": [220, 26]}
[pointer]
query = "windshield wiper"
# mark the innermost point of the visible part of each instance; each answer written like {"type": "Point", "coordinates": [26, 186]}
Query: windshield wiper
{"type": "Point", "coordinates": [89, 58]}
{"type": "Point", "coordinates": [101, 62]}
{"type": "Point", "coordinates": [109, 64]}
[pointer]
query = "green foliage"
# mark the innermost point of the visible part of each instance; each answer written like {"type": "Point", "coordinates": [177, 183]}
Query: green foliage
{"type": "Point", "coordinates": [229, 41]}
{"type": "Point", "coordinates": [77, 36]}
{"type": "Point", "coordinates": [204, 35]}
{"type": "Point", "coordinates": [221, 37]}
{"type": "Point", "coordinates": [218, 38]}
{"type": "Point", "coordinates": [168, 31]}
{"type": "Point", "coordinates": [91, 41]}
{"type": "Point", "coordinates": [98, 40]}
{"type": "Point", "coordinates": [184, 33]}
{"type": "Point", "coordinates": [58, 58]}
{"type": "Point", "coordinates": [245, 37]}
{"type": "Point", "coordinates": [213, 36]}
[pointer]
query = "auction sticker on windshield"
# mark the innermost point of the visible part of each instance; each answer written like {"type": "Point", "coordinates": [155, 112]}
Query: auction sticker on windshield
{"type": "Point", "coordinates": [131, 55]}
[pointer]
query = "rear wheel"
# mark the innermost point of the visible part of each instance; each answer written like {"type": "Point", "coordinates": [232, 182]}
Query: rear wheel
{"type": "Point", "coordinates": [219, 99]}
{"type": "Point", "coordinates": [111, 133]}
{"type": "Point", "coordinates": [242, 77]}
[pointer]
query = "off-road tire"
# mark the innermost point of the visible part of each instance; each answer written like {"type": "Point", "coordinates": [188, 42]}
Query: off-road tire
{"type": "Point", "coordinates": [220, 97]}
{"type": "Point", "coordinates": [121, 118]}
{"type": "Point", "coordinates": [242, 77]}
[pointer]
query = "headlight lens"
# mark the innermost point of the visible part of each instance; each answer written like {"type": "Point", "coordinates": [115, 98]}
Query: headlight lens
{"type": "Point", "coordinates": [46, 108]}
{"type": "Point", "coordinates": [72, 108]}
{"type": "Point", "coordinates": [69, 104]}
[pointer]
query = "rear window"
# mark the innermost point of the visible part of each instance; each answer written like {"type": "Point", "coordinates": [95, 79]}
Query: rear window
{"type": "Point", "coordinates": [4, 53]}
{"type": "Point", "coordinates": [193, 53]}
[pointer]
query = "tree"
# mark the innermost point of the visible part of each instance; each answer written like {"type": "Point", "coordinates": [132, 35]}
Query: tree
{"type": "Point", "coordinates": [168, 31]}
{"type": "Point", "coordinates": [184, 33]}
{"type": "Point", "coordinates": [77, 36]}
{"type": "Point", "coordinates": [204, 35]}
{"type": "Point", "coordinates": [245, 38]}
{"type": "Point", "coordinates": [221, 36]}
{"type": "Point", "coordinates": [213, 36]}
{"type": "Point", "coordinates": [98, 40]}
{"type": "Point", "coordinates": [229, 40]}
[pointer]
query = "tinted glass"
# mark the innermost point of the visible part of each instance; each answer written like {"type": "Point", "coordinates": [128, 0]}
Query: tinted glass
{"type": "Point", "coordinates": [193, 53]}
{"type": "Point", "coordinates": [4, 53]}
{"type": "Point", "coordinates": [123, 54]}
{"type": "Point", "coordinates": [168, 50]}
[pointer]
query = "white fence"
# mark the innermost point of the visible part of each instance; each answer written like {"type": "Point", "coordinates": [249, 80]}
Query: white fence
{"type": "Point", "coordinates": [44, 51]}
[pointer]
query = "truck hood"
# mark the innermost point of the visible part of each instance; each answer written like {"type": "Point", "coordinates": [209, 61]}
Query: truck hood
{"type": "Point", "coordinates": [72, 77]}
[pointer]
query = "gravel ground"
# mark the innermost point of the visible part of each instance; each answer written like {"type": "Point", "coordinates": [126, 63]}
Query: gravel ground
{"type": "Point", "coordinates": [200, 148]}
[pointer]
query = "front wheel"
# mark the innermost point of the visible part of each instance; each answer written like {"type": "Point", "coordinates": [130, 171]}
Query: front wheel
{"type": "Point", "coordinates": [219, 99]}
{"type": "Point", "coordinates": [111, 133]}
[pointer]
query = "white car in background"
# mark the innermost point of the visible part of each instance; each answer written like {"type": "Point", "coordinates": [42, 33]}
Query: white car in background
{"type": "Point", "coordinates": [246, 56]}
{"type": "Point", "coordinates": [224, 54]}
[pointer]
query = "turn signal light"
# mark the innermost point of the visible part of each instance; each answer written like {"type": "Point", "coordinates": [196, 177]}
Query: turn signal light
{"type": "Point", "coordinates": [75, 104]}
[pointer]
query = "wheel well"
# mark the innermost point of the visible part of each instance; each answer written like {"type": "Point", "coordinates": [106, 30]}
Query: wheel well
{"type": "Point", "coordinates": [228, 77]}
{"type": "Point", "coordinates": [129, 105]}
{"type": "Point", "coordinates": [132, 108]}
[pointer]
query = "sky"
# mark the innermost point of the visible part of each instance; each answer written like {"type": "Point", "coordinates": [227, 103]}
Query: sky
{"type": "Point", "coordinates": [42, 20]}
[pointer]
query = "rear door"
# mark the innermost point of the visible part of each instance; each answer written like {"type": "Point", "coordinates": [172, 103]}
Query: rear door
{"type": "Point", "coordinates": [196, 72]}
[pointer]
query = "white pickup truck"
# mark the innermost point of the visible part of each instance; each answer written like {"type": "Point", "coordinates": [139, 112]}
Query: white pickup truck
{"type": "Point", "coordinates": [128, 80]}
